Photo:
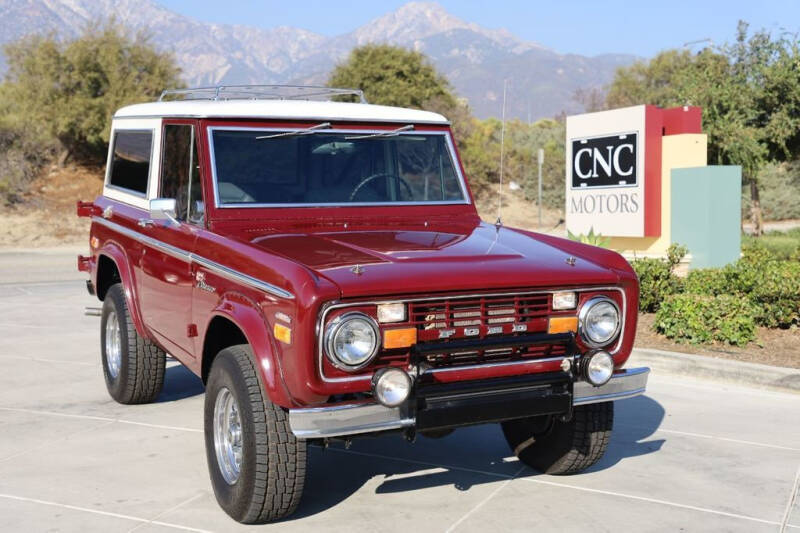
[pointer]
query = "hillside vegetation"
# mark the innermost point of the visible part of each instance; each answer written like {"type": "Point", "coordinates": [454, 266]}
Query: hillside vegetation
{"type": "Point", "coordinates": [58, 97]}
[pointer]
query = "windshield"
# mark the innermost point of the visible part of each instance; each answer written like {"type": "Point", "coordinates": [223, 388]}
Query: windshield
{"type": "Point", "coordinates": [265, 167]}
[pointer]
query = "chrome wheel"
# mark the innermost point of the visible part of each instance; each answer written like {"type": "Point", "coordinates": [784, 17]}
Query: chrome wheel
{"type": "Point", "coordinates": [228, 435]}
{"type": "Point", "coordinates": [113, 345]}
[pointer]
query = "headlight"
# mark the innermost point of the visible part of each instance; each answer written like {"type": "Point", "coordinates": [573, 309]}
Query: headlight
{"type": "Point", "coordinates": [599, 321]}
{"type": "Point", "coordinates": [351, 341]}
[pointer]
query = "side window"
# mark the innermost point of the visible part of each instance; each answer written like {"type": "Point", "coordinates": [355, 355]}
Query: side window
{"type": "Point", "coordinates": [130, 164]}
{"type": "Point", "coordinates": [180, 172]}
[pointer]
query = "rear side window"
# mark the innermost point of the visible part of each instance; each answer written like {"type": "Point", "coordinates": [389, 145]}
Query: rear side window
{"type": "Point", "coordinates": [130, 164]}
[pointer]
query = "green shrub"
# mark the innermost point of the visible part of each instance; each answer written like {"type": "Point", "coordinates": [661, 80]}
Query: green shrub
{"type": "Point", "coordinates": [22, 155]}
{"type": "Point", "coordinates": [657, 279]}
{"type": "Point", "coordinates": [703, 319]}
{"type": "Point", "coordinates": [708, 281]}
{"type": "Point", "coordinates": [771, 285]}
{"type": "Point", "coordinates": [776, 296]}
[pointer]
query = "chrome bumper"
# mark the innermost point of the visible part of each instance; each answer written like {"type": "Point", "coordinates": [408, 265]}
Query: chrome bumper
{"type": "Point", "coordinates": [352, 419]}
{"type": "Point", "coordinates": [627, 383]}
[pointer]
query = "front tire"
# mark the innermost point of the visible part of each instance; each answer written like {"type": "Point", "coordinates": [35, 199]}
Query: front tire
{"type": "Point", "coordinates": [549, 445]}
{"type": "Point", "coordinates": [133, 366]}
{"type": "Point", "coordinates": [257, 465]}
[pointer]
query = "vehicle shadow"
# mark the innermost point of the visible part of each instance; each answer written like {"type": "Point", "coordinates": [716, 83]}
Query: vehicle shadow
{"type": "Point", "coordinates": [179, 383]}
{"type": "Point", "coordinates": [468, 457]}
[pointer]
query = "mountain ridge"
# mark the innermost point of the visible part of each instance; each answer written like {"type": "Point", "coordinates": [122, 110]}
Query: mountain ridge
{"type": "Point", "coordinates": [476, 60]}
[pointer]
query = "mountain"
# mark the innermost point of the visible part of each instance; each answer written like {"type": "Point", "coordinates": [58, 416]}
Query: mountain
{"type": "Point", "coordinates": [476, 60]}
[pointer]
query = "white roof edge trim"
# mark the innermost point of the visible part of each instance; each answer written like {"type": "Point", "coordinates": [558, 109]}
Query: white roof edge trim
{"type": "Point", "coordinates": [280, 109]}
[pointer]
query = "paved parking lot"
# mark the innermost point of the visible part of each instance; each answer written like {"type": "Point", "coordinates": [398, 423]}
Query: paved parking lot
{"type": "Point", "coordinates": [690, 455]}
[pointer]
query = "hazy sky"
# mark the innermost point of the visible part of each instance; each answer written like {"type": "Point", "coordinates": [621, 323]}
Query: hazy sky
{"type": "Point", "coordinates": [579, 26]}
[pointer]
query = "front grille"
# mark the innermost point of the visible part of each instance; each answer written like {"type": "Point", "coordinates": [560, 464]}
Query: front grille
{"type": "Point", "coordinates": [499, 313]}
{"type": "Point", "coordinates": [481, 317]}
{"type": "Point", "coordinates": [458, 318]}
{"type": "Point", "coordinates": [477, 357]}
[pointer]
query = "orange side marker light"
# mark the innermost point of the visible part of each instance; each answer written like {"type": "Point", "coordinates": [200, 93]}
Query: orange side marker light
{"type": "Point", "coordinates": [563, 324]}
{"type": "Point", "coordinates": [399, 338]}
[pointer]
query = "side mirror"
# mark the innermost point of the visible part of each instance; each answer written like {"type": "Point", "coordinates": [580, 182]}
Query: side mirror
{"type": "Point", "coordinates": [164, 209]}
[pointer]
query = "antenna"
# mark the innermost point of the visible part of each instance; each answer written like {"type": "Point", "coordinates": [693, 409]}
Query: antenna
{"type": "Point", "coordinates": [502, 152]}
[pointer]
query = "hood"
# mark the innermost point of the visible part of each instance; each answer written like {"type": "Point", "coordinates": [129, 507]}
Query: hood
{"type": "Point", "coordinates": [483, 257]}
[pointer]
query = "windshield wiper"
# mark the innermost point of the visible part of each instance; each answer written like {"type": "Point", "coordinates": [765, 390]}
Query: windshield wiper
{"type": "Point", "coordinates": [307, 131]}
{"type": "Point", "coordinates": [391, 133]}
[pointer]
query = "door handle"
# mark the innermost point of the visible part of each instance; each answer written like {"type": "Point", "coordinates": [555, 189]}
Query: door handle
{"type": "Point", "coordinates": [146, 222]}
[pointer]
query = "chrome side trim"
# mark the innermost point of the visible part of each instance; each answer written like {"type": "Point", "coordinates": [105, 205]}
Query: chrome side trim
{"type": "Point", "coordinates": [178, 253]}
{"type": "Point", "coordinates": [172, 251]}
{"type": "Point", "coordinates": [625, 384]}
{"type": "Point", "coordinates": [235, 275]}
{"type": "Point", "coordinates": [331, 307]}
{"type": "Point", "coordinates": [350, 419]}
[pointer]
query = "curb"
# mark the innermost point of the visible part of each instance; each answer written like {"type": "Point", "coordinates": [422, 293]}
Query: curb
{"type": "Point", "coordinates": [773, 377]}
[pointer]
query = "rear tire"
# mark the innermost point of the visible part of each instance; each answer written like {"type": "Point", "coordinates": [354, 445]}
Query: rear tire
{"type": "Point", "coordinates": [257, 465]}
{"type": "Point", "coordinates": [132, 365]}
{"type": "Point", "coordinates": [549, 445]}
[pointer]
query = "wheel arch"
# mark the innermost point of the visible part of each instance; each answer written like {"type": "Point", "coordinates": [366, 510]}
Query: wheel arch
{"type": "Point", "coordinates": [113, 267]}
{"type": "Point", "coordinates": [234, 323]}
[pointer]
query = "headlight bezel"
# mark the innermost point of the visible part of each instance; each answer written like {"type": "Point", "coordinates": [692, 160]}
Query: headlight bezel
{"type": "Point", "coordinates": [335, 325]}
{"type": "Point", "coordinates": [583, 314]}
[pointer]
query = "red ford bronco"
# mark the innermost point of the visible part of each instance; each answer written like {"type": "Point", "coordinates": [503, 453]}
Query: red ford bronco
{"type": "Point", "coordinates": [322, 267]}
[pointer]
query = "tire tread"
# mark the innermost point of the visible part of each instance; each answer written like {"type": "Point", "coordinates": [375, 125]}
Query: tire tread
{"type": "Point", "coordinates": [146, 362]}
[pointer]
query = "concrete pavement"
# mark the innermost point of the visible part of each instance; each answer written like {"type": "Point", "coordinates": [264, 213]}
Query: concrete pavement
{"type": "Point", "coordinates": [691, 454]}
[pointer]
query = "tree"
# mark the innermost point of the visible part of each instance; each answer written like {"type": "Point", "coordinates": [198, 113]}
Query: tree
{"type": "Point", "coordinates": [749, 92]}
{"type": "Point", "coordinates": [390, 75]}
{"type": "Point", "coordinates": [70, 90]}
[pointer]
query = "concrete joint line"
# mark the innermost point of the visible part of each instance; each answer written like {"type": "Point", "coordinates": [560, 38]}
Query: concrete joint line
{"type": "Point", "coordinates": [714, 437]}
{"type": "Point", "coordinates": [790, 504]}
{"type": "Point", "coordinates": [565, 486]}
{"type": "Point", "coordinates": [483, 502]}
{"type": "Point", "coordinates": [654, 500]}
{"type": "Point", "coordinates": [102, 513]}
{"type": "Point", "coordinates": [50, 443]}
{"type": "Point", "coordinates": [101, 418]}
{"type": "Point", "coordinates": [166, 512]}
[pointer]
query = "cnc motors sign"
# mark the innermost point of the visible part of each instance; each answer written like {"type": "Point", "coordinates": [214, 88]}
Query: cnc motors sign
{"type": "Point", "coordinates": [604, 161]}
{"type": "Point", "coordinates": [605, 173]}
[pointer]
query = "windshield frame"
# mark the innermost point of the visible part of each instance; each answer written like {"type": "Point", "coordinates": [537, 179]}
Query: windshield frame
{"type": "Point", "coordinates": [359, 130]}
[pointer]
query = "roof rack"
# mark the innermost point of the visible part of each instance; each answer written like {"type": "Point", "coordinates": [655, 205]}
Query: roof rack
{"type": "Point", "coordinates": [260, 92]}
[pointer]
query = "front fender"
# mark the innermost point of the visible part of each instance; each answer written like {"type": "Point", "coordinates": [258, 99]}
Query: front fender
{"type": "Point", "coordinates": [116, 254]}
{"type": "Point", "coordinates": [245, 314]}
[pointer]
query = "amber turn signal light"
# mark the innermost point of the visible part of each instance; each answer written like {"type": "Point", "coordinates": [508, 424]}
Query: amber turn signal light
{"type": "Point", "coordinates": [282, 333]}
{"type": "Point", "coordinates": [399, 338]}
{"type": "Point", "coordinates": [563, 324]}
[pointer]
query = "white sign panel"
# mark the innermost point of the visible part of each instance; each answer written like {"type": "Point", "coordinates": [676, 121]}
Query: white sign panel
{"type": "Point", "coordinates": [606, 172]}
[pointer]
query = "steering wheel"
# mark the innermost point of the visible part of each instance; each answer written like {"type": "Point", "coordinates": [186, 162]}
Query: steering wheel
{"type": "Point", "coordinates": [368, 179]}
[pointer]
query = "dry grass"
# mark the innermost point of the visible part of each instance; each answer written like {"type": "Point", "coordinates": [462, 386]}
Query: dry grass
{"type": "Point", "coordinates": [47, 215]}
{"type": "Point", "coordinates": [516, 212]}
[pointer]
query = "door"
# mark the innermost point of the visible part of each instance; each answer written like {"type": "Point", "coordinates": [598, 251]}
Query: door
{"type": "Point", "coordinates": [168, 275]}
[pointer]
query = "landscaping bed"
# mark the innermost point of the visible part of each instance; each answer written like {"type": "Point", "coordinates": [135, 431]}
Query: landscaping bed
{"type": "Point", "coordinates": [748, 310]}
{"type": "Point", "coordinates": [777, 347]}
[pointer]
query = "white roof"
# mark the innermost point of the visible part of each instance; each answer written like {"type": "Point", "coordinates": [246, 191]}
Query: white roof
{"type": "Point", "coordinates": [280, 109]}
